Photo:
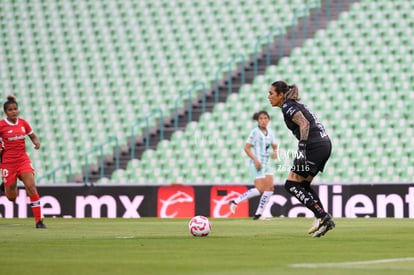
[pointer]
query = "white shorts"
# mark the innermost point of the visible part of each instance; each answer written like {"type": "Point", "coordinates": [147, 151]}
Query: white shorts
{"type": "Point", "coordinates": [260, 174]}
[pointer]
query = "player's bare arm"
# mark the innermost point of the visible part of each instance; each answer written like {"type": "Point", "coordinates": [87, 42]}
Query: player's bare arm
{"type": "Point", "coordinates": [303, 124]}
{"type": "Point", "coordinates": [252, 156]}
{"type": "Point", "coordinates": [275, 151]}
{"type": "Point", "coordinates": [35, 141]}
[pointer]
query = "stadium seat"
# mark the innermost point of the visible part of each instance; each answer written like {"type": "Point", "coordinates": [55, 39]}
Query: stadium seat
{"type": "Point", "coordinates": [356, 88]}
{"type": "Point", "coordinates": [96, 73]}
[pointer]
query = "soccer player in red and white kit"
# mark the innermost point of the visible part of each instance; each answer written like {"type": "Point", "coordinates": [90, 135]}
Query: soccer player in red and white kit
{"type": "Point", "coordinates": [15, 163]}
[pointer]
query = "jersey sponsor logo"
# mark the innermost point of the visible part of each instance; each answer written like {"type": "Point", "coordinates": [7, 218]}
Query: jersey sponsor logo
{"type": "Point", "coordinates": [220, 196]}
{"type": "Point", "coordinates": [16, 138]}
{"type": "Point", "coordinates": [176, 202]}
{"type": "Point", "coordinates": [291, 110]}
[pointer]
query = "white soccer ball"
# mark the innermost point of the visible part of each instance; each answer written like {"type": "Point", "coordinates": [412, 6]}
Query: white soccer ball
{"type": "Point", "coordinates": [199, 226]}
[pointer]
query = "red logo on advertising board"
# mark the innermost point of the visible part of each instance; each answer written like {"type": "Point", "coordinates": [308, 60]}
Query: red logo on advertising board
{"type": "Point", "coordinates": [175, 202]}
{"type": "Point", "coordinates": [220, 196]}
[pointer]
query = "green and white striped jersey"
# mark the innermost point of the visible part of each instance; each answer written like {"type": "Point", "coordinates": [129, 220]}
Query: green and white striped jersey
{"type": "Point", "coordinates": [261, 144]}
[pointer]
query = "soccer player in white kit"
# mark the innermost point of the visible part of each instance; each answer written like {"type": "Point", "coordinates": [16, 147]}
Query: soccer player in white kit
{"type": "Point", "coordinates": [260, 144]}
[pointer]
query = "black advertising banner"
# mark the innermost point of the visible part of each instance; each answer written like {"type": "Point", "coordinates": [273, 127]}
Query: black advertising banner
{"type": "Point", "coordinates": [350, 201]}
{"type": "Point", "coordinates": [132, 201]}
{"type": "Point", "coordinates": [87, 201]}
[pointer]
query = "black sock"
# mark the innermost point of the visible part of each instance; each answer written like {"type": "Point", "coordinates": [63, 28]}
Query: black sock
{"type": "Point", "coordinates": [305, 197]}
{"type": "Point", "coordinates": [306, 185]}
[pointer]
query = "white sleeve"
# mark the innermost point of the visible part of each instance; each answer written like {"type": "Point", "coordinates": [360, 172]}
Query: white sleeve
{"type": "Point", "coordinates": [252, 138]}
{"type": "Point", "coordinates": [273, 138]}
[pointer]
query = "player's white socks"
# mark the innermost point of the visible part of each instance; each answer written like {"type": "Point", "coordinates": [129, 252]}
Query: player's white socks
{"type": "Point", "coordinates": [264, 199]}
{"type": "Point", "coordinates": [251, 193]}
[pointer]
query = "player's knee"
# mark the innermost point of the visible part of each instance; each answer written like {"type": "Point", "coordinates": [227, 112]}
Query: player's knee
{"type": "Point", "coordinates": [31, 189]}
{"type": "Point", "coordinates": [11, 198]}
{"type": "Point", "coordinates": [11, 192]}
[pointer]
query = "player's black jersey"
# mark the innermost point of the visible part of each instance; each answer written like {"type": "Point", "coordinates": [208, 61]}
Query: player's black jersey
{"type": "Point", "coordinates": [316, 129]}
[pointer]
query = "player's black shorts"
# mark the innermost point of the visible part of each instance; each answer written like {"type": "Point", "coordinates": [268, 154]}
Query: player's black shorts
{"type": "Point", "coordinates": [317, 154]}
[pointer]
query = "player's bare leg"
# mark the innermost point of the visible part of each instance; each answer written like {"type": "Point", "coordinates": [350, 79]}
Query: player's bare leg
{"type": "Point", "coordinates": [29, 183]}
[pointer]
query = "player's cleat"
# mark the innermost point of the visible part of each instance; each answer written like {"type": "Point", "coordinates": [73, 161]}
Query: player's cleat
{"type": "Point", "coordinates": [323, 229]}
{"type": "Point", "coordinates": [40, 225]}
{"type": "Point", "coordinates": [256, 217]}
{"type": "Point", "coordinates": [2, 187]}
{"type": "Point", "coordinates": [325, 225]}
{"type": "Point", "coordinates": [315, 226]}
{"type": "Point", "coordinates": [317, 223]}
{"type": "Point", "coordinates": [233, 206]}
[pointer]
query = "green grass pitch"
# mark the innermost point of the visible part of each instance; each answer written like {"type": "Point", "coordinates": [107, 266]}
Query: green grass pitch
{"type": "Point", "coordinates": [234, 246]}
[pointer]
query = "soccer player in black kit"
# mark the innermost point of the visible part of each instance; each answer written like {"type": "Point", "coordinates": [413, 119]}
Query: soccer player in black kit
{"type": "Point", "coordinates": [314, 150]}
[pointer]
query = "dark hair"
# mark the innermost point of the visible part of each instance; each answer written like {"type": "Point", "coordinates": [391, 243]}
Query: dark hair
{"type": "Point", "coordinates": [256, 115]}
{"type": "Point", "coordinates": [290, 91]}
{"type": "Point", "coordinates": [11, 99]}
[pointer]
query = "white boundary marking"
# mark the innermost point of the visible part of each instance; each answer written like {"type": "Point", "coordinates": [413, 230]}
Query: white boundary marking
{"type": "Point", "coordinates": [346, 264]}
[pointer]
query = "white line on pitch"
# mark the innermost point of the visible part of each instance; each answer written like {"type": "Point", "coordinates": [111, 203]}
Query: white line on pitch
{"type": "Point", "coordinates": [344, 264]}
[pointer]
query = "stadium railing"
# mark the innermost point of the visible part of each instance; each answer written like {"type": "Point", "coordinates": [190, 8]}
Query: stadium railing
{"type": "Point", "coordinates": [100, 148]}
{"type": "Point", "coordinates": [52, 174]}
{"type": "Point", "coordinates": [147, 129]}
{"type": "Point", "coordinates": [256, 46]}
{"type": "Point", "coordinates": [197, 85]}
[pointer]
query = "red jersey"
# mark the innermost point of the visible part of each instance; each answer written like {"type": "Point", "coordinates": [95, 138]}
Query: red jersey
{"type": "Point", "coordinates": [12, 137]}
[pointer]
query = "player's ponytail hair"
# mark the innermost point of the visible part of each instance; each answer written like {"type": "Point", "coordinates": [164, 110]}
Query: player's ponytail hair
{"type": "Point", "coordinates": [257, 115]}
{"type": "Point", "coordinates": [11, 99]}
{"type": "Point", "coordinates": [291, 92]}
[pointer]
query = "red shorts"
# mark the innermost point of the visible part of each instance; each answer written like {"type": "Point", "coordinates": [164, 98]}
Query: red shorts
{"type": "Point", "coordinates": [10, 172]}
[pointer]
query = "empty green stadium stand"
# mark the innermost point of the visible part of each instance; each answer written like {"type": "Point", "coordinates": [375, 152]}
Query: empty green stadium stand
{"type": "Point", "coordinates": [356, 75]}
{"type": "Point", "coordinates": [85, 70]}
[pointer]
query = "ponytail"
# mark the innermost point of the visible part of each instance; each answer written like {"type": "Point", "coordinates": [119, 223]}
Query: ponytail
{"type": "Point", "coordinates": [291, 92]}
